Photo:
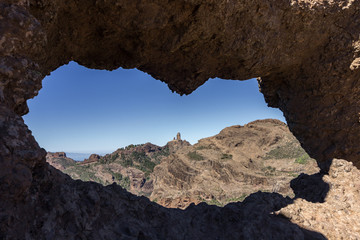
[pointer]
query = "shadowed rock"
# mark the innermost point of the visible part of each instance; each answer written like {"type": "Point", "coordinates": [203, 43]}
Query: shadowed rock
{"type": "Point", "coordinates": [305, 53]}
{"type": "Point", "coordinates": [312, 188]}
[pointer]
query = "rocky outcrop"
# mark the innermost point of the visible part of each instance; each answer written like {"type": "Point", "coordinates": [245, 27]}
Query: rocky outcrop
{"type": "Point", "coordinates": [175, 145]}
{"type": "Point", "coordinates": [293, 46]}
{"type": "Point", "coordinates": [56, 155]}
{"type": "Point", "coordinates": [261, 156]}
{"type": "Point", "coordinates": [331, 207]}
{"type": "Point", "coordinates": [75, 209]}
{"type": "Point", "coordinates": [93, 158]}
{"type": "Point", "coordinates": [59, 160]}
{"type": "Point", "coordinates": [305, 53]}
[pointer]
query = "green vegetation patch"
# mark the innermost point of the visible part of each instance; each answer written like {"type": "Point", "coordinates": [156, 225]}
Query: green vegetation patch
{"type": "Point", "coordinates": [126, 160]}
{"type": "Point", "coordinates": [157, 156]}
{"type": "Point", "coordinates": [83, 172]}
{"type": "Point", "coordinates": [215, 202]}
{"type": "Point", "coordinates": [289, 150]}
{"type": "Point", "coordinates": [195, 156]}
{"type": "Point", "coordinates": [303, 159]}
{"type": "Point", "coordinates": [125, 182]}
{"type": "Point", "coordinates": [109, 158]}
{"type": "Point", "coordinates": [143, 159]}
{"type": "Point", "coordinates": [134, 158]}
{"type": "Point", "coordinates": [65, 162]}
{"type": "Point", "coordinates": [269, 171]}
{"type": "Point", "coordinates": [237, 199]}
{"type": "Point", "coordinates": [117, 176]}
{"type": "Point", "coordinates": [293, 174]}
{"type": "Point", "coordinates": [202, 147]}
{"type": "Point", "coordinates": [226, 156]}
{"type": "Point", "coordinates": [218, 203]}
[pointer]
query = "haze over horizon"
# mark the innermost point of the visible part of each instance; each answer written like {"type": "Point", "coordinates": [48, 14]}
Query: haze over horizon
{"type": "Point", "coordinates": [82, 110]}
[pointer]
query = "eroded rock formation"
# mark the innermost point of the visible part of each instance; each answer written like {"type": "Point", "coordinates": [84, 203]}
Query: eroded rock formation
{"type": "Point", "coordinates": [59, 160]}
{"type": "Point", "coordinates": [334, 212]}
{"type": "Point", "coordinates": [262, 155]}
{"type": "Point", "coordinates": [92, 158]}
{"type": "Point", "coordinates": [305, 51]}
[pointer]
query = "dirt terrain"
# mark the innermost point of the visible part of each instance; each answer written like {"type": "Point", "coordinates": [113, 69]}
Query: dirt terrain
{"type": "Point", "coordinates": [261, 156]}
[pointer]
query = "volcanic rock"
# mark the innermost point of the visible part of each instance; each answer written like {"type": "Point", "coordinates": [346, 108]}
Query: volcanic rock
{"type": "Point", "coordinates": [56, 155]}
{"type": "Point", "coordinates": [92, 158]}
{"type": "Point", "coordinates": [305, 53]}
{"type": "Point", "coordinates": [175, 145]}
{"type": "Point", "coordinates": [336, 213]}
{"type": "Point", "coordinates": [293, 46]}
{"type": "Point", "coordinates": [59, 160]}
{"type": "Point", "coordinates": [261, 156]}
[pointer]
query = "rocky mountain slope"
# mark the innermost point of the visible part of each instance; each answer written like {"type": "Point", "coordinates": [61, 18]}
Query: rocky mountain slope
{"type": "Point", "coordinates": [260, 156]}
{"type": "Point", "coordinates": [59, 160]}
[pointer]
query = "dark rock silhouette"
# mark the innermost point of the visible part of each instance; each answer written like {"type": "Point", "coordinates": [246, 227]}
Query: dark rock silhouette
{"type": "Point", "coordinates": [292, 46]}
{"type": "Point", "coordinates": [305, 52]}
{"type": "Point", "coordinates": [312, 188]}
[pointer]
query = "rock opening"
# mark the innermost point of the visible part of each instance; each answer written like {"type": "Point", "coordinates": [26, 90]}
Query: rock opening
{"type": "Point", "coordinates": [307, 55]}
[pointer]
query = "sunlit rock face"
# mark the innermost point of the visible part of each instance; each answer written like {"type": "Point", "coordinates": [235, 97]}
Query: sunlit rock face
{"type": "Point", "coordinates": [306, 54]}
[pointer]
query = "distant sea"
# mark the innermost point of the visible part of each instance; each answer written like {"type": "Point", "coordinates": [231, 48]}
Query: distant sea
{"type": "Point", "coordinates": [82, 156]}
{"type": "Point", "coordinates": [78, 156]}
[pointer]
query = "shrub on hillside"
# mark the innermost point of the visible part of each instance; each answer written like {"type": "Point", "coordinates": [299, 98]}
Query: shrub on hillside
{"type": "Point", "coordinates": [303, 159]}
{"type": "Point", "coordinates": [195, 156]}
{"type": "Point", "coordinates": [226, 156]}
{"type": "Point", "coordinates": [289, 150]}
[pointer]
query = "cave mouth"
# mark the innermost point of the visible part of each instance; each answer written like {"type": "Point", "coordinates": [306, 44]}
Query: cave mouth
{"type": "Point", "coordinates": [127, 103]}
{"type": "Point", "coordinates": [301, 49]}
{"type": "Point", "coordinates": [127, 109]}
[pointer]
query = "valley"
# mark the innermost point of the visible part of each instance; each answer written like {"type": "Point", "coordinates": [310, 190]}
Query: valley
{"type": "Point", "coordinates": [260, 156]}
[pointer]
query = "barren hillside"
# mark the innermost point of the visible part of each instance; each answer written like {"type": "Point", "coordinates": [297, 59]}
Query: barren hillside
{"type": "Point", "coordinates": [261, 156]}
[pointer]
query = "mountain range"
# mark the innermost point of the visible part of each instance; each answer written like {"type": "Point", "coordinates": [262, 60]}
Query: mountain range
{"type": "Point", "coordinates": [260, 156]}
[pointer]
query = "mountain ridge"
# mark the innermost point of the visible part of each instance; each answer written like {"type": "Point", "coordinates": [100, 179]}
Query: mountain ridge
{"type": "Point", "coordinates": [260, 156]}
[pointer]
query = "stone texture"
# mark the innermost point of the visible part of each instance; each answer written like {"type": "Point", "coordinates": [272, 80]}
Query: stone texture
{"type": "Point", "coordinates": [61, 208]}
{"type": "Point", "coordinates": [259, 156]}
{"type": "Point", "coordinates": [336, 214]}
{"type": "Point", "coordinates": [93, 158]}
{"type": "Point", "coordinates": [305, 51]}
{"type": "Point", "coordinates": [262, 155]}
{"type": "Point", "coordinates": [59, 160]}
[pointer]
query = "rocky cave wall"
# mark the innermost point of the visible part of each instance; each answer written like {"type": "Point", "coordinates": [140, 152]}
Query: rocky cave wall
{"type": "Point", "coordinates": [305, 53]}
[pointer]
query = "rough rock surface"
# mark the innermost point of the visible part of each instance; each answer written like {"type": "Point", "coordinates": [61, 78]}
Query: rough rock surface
{"type": "Point", "coordinates": [59, 160]}
{"type": "Point", "coordinates": [61, 208]}
{"type": "Point", "coordinates": [336, 210]}
{"type": "Point", "coordinates": [93, 158]}
{"type": "Point", "coordinates": [262, 155]}
{"type": "Point", "coordinates": [175, 145]}
{"type": "Point", "coordinates": [305, 51]}
{"type": "Point", "coordinates": [129, 167]}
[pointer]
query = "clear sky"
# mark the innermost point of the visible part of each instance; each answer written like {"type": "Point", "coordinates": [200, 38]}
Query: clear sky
{"type": "Point", "coordinates": [97, 111]}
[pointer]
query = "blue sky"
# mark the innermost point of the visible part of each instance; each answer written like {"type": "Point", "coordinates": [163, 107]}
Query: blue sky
{"type": "Point", "coordinates": [87, 111]}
